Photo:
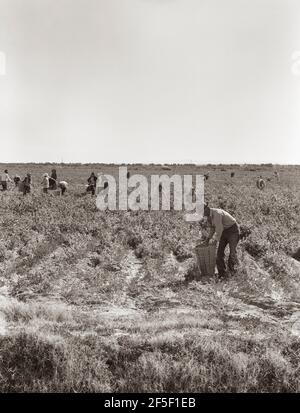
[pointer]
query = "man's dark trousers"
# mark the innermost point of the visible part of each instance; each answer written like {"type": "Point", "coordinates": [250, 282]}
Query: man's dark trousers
{"type": "Point", "coordinates": [229, 236]}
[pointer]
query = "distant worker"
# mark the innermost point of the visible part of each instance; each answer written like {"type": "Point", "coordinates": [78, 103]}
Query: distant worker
{"type": "Point", "coordinates": [276, 174]}
{"type": "Point", "coordinates": [4, 180]}
{"type": "Point", "coordinates": [26, 184]}
{"type": "Point", "coordinates": [17, 180]}
{"type": "Point", "coordinates": [45, 183]}
{"type": "Point", "coordinates": [92, 182]}
{"type": "Point", "coordinates": [206, 176]}
{"type": "Point", "coordinates": [227, 232]}
{"type": "Point", "coordinates": [63, 185]}
{"type": "Point", "coordinates": [53, 180]}
{"type": "Point", "coordinates": [260, 183]}
{"type": "Point", "coordinates": [54, 174]}
{"type": "Point", "coordinates": [232, 174]}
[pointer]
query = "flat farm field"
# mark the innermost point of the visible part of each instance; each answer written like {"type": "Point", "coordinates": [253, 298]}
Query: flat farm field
{"type": "Point", "coordinates": [107, 301]}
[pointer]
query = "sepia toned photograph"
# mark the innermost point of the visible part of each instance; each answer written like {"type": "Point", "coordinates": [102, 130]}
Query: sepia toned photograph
{"type": "Point", "coordinates": [150, 198]}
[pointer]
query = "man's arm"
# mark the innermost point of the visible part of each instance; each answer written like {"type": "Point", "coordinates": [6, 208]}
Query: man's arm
{"type": "Point", "coordinates": [212, 230]}
{"type": "Point", "coordinates": [211, 234]}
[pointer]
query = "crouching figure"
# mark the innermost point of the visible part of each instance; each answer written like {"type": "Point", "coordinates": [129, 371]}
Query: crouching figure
{"type": "Point", "coordinates": [63, 185]}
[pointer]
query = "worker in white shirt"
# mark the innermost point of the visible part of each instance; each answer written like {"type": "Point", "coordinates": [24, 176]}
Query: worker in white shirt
{"type": "Point", "coordinates": [45, 183]}
{"type": "Point", "coordinates": [4, 180]}
{"type": "Point", "coordinates": [63, 186]}
{"type": "Point", "coordinates": [226, 231]}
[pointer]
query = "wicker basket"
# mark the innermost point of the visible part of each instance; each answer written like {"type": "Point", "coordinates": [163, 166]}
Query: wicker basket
{"type": "Point", "coordinates": [206, 259]}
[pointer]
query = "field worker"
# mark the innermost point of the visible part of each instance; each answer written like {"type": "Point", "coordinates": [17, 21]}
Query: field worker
{"type": "Point", "coordinates": [17, 180]}
{"type": "Point", "coordinates": [53, 180]}
{"type": "Point", "coordinates": [276, 174]}
{"type": "Point", "coordinates": [92, 181]}
{"type": "Point", "coordinates": [63, 185]}
{"type": "Point", "coordinates": [45, 183]}
{"type": "Point", "coordinates": [227, 232]}
{"type": "Point", "coordinates": [260, 183]}
{"type": "Point", "coordinates": [4, 180]}
{"type": "Point", "coordinates": [27, 182]}
{"type": "Point", "coordinates": [52, 184]}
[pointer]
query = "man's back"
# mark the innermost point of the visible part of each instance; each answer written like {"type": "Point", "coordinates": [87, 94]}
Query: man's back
{"type": "Point", "coordinates": [221, 219]}
{"type": "Point", "coordinates": [4, 177]}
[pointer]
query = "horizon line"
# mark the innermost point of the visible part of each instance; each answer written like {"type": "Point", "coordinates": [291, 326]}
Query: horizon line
{"type": "Point", "coordinates": [169, 163]}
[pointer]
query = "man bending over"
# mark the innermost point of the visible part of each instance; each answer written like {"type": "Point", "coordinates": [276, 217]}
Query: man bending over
{"type": "Point", "coordinates": [227, 232]}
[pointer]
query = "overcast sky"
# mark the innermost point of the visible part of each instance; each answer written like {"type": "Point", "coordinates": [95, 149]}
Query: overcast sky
{"type": "Point", "coordinates": [207, 81]}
